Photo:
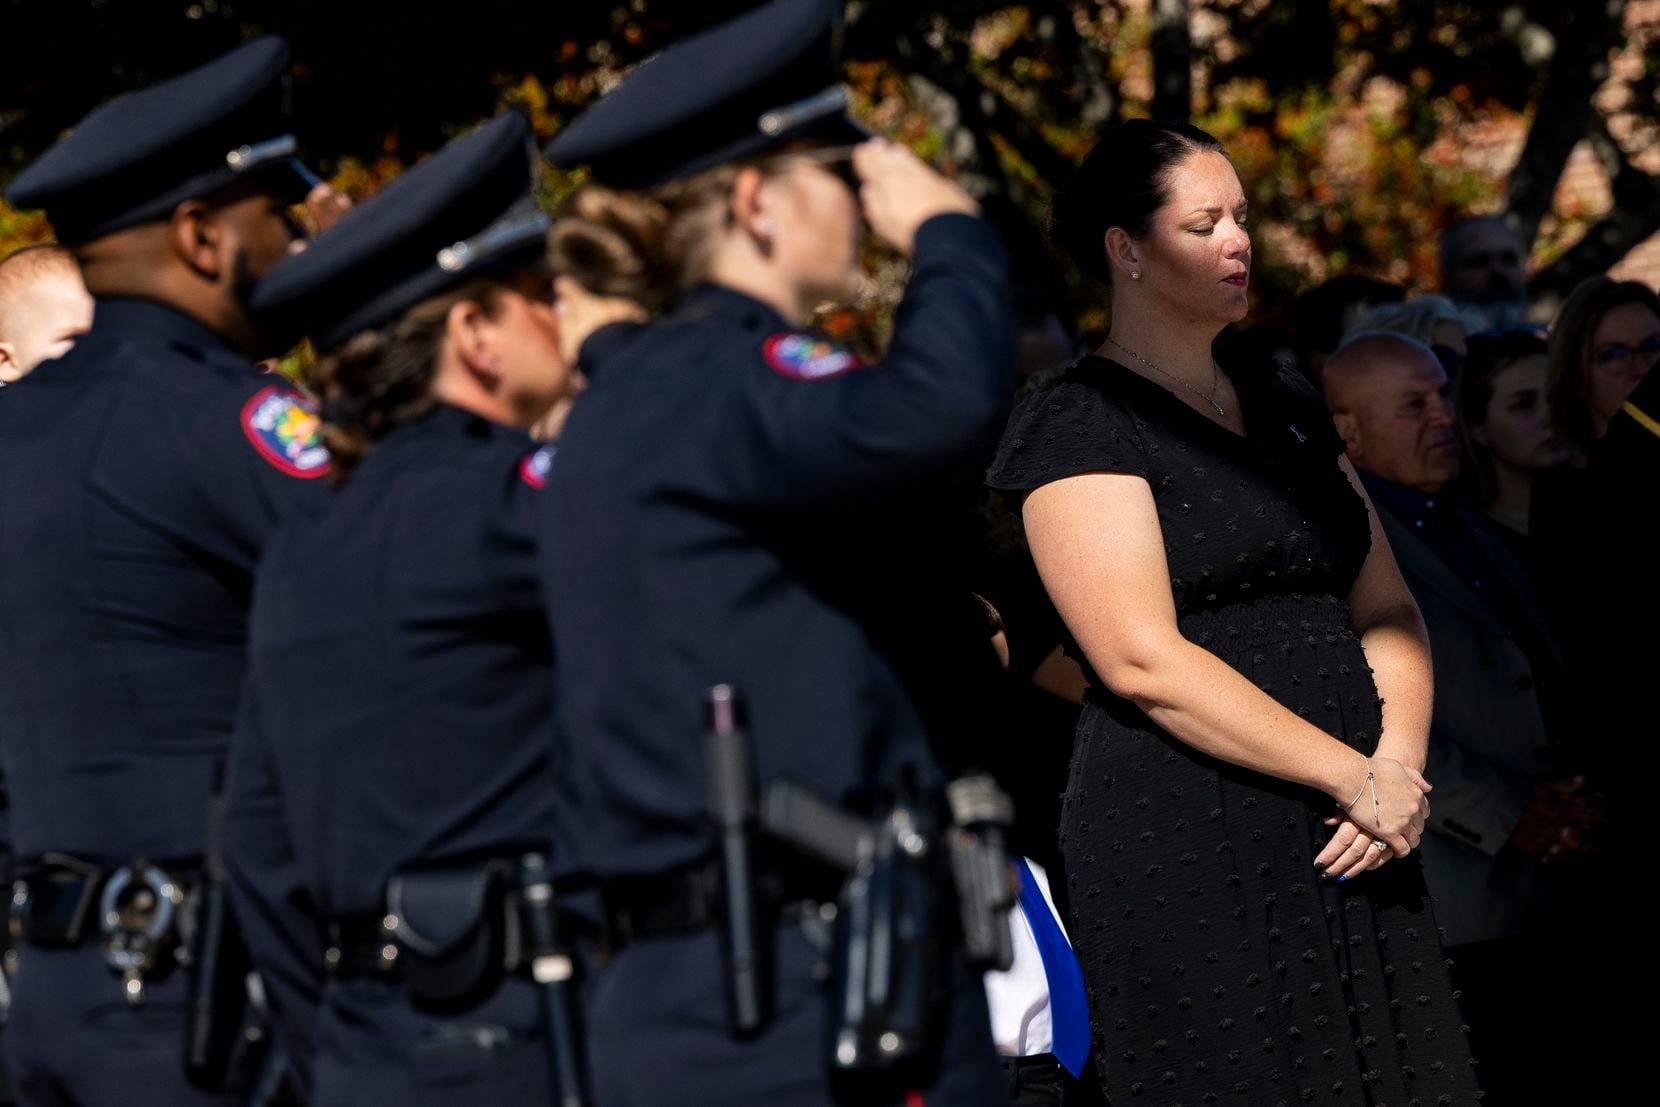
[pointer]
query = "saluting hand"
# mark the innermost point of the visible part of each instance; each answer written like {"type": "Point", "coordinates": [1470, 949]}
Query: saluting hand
{"type": "Point", "coordinates": [325, 205]}
{"type": "Point", "coordinates": [900, 192]}
{"type": "Point", "coordinates": [322, 208]}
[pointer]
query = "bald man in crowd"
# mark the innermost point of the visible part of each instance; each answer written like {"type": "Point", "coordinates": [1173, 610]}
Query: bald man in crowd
{"type": "Point", "coordinates": [1498, 814]}
{"type": "Point", "coordinates": [44, 307]}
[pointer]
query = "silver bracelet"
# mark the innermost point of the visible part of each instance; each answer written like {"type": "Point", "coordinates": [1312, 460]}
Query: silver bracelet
{"type": "Point", "coordinates": [1363, 784]}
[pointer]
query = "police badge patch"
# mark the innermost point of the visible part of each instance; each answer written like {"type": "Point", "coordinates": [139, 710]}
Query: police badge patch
{"type": "Point", "coordinates": [806, 357]}
{"type": "Point", "coordinates": [283, 427]}
{"type": "Point", "coordinates": [534, 467]}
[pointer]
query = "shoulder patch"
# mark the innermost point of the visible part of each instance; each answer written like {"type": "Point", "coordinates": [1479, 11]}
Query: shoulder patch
{"type": "Point", "coordinates": [806, 357]}
{"type": "Point", "coordinates": [283, 427]}
{"type": "Point", "coordinates": [535, 466]}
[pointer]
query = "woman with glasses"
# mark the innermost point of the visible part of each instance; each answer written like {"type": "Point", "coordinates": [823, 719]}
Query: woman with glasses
{"type": "Point", "coordinates": [1594, 536]}
{"type": "Point", "coordinates": [1606, 339]}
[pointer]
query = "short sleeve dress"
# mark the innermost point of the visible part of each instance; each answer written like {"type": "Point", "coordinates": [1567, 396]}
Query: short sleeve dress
{"type": "Point", "coordinates": [1219, 967]}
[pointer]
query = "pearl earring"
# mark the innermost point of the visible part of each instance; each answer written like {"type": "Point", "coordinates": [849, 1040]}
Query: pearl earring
{"type": "Point", "coordinates": [1135, 274]}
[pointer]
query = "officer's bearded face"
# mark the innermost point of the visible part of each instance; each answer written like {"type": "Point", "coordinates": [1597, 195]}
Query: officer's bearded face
{"type": "Point", "coordinates": [260, 234]}
{"type": "Point", "coordinates": [243, 279]}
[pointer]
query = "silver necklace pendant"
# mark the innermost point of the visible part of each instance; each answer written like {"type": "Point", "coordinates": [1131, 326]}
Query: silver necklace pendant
{"type": "Point", "coordinates": [1214, 371]}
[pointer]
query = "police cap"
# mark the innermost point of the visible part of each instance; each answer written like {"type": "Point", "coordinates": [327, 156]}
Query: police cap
{"type": "Point", "coordinates": [743, 88]}
{"type": "Point", "coordinates": [464, 212]}
{"type": "Point", "coordinates": [137, 157]}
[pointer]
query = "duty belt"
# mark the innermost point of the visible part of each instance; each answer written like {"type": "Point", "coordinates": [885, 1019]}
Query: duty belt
{"type": "Point", "coordinates": [143, 916]}
{"type": "Point", "coordinates": [688, 900]}
{"type": "Point", "coordinates": [449, 932]}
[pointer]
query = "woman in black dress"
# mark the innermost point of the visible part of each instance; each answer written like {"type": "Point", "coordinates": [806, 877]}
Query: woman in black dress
{"type": "Point", "coordinates": [1245, 790]}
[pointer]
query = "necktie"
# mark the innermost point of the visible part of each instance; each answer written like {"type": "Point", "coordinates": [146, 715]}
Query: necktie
{"type": "Point", "coordinates": [1068, 1008]}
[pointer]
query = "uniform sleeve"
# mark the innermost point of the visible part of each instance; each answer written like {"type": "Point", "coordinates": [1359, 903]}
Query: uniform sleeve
{"type": "Point", "coordinates": [929, 411]}
{"type": "Point", "coordinates": [1069, 428]}
{"type": "Point", "coordinates": [267, 890]}
{"type": "Point", "coordinates": [255, 457]}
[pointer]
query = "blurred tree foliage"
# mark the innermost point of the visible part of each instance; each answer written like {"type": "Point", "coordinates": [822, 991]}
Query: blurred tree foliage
{"type": "Point", "coordinates": [1358, 126]}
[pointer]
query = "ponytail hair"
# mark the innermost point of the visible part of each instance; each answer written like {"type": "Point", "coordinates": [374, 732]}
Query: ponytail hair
{"type": "Point", "coordinates": [651, 244]}
{"type": "Point", "coordinates": [381, 378]}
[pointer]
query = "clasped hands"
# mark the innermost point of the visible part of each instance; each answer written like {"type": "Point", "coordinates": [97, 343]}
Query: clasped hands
{"type": "Point", "coordinates": [1390, 810]}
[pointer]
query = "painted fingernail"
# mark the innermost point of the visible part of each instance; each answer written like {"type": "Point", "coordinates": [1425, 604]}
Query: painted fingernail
{"type": "Point", "coordinates": [1319, 866]}
{"type": "Point", "coordinates": [1341, 879]}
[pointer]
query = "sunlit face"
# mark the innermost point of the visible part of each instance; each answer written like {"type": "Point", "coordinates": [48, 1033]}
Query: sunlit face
{"type": "Point", "coordinates": [534, 376]}
{"type": "Point", "coordinates": [1196, 256]}
{"type": "Point", "coordinates": [1624, 346]}
{"type": "Point", "coordinates": [816, 228]}
{"type": "Point", "coordinates": [1403, 423]}
{"type": "Point", "coordinates": [46, 315]}
{"type": "Point", "coordinates": [1516, 426]}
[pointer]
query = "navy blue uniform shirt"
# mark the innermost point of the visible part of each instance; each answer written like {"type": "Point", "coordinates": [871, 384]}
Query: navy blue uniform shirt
{"type": "Point", "coordinates": [399, 688]}
{"type": "Point", "coordinates": [140, 477]}
{"type": "Point", "coordinates": [398, 693]}
{"type": "Point", "coordinates": [736, 501]}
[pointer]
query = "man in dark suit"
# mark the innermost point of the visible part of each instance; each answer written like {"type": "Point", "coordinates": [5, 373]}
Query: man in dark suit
{"type": "Point", "coordinates": [1499, 813]}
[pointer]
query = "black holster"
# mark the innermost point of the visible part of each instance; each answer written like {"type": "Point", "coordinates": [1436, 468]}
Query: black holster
{"type": "Point", "coordinates": [217, 999]}
{"type": "Point", "coordinates": [892, 936]}
{"type": "Point", "coordinates": [218, 996]}
{"type": "Point", "coordinates": [977, 843]}
{"type": "Point", "coordinates": [888, 953]}
{"type": "Point", "coordinates": [458, 930]}
{"type": "Point", "coordinates": [446, 923]}
{"type": "Point", "coordinates": [893, 930]}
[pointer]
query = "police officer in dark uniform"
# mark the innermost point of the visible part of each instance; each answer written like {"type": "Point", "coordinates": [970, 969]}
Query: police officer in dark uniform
{"type": "Point", "coordinates": [389, 802]}
{"type": "Point", "coordinates": [740, 502]}
{"type": "Point", "coordinates": [140, 477]}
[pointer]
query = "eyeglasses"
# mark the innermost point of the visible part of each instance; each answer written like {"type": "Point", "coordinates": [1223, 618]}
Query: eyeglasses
{"type": "Point", "coordinates": [1640, 356]}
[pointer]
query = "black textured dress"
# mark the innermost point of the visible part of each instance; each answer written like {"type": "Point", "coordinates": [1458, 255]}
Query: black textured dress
{"type": "Point", "coordinates": [1220, 969]}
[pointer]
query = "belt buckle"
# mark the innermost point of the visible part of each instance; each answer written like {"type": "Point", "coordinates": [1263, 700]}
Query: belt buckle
{"type": "Point", "coordinates": [138, 913]}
